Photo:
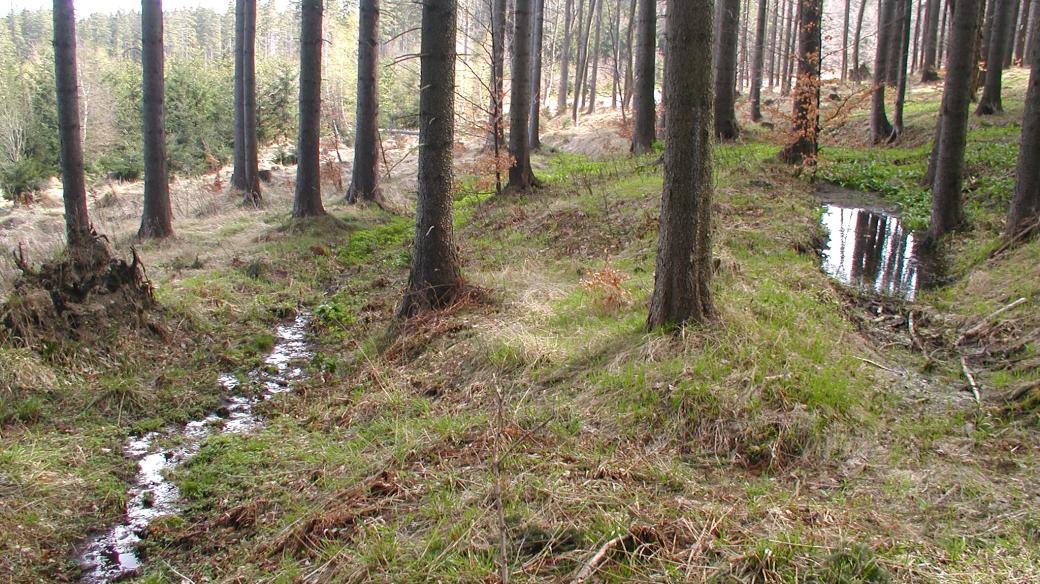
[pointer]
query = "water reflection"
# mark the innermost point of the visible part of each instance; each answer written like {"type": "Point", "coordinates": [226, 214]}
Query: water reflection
{"type": "Point", "coordinates": [870, 249]}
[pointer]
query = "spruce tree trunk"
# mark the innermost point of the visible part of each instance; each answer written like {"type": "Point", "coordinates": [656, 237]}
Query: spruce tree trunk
{"type": "Point", "coordinates": [807, 90]}
{"type": "Point", "coordinates": [626, 101]}
{"type": "Point", "coordinates": [1031, 52]}
{"type": "Point", "coordinates": [744, 60]}
{"type": "Point", "coordinates": [644, 114]}
{"type": "Point", "coordinates": [582, 70]}
{"type": "Point", "coordinates": [615, 93]}
{"type": "Point", "coordinates": [538, 35]}
{"type": "Point", "coordinates": [1023, 32]}
{"type": "Point", "coordinates": [845, 41]}
{"type": "Point", "coordinates": [728, 19]}
{"type": "Point", "coordinates": [561, 96]}
{"type": "Point", "coordinates": [682, 279]}
{"type": "Point", "coordinates": [364, 180]}
{"type": "Point", "coordinates": [903, 73]}
{"type": "Point", "coordinates": [77, 223]}
{"type": "Point", "coordinates": [880, 127]}
{"type": "Point", "coordinates": [307, 200]}
{"type": "Point", "coordinates": [916, 52]}
{"type": "Point", "coordinates": [157, 216]}
{"type": "Point", "coordinates": [1025, 205]}
{"type": "Point", "coordinates": [496, 118]}
{"type": "Point", "coordinates": [250, 142]}
{"type": "Point", "coordinates": [593, 86]}
{"type": "Point", "coordinates": [771, 76]}
{"type": "Point", "coordinates": [990, 103]}
{"type": "Point", "coordinates": [435, 280]}
{"type": "Point", "coordinates": [947, 210]}
{"type": "Point", "coordinates": [895, 43]}
{"type": "Point", "coordinates": [238, 177]}
{"type": "Point", "coordinates": [1011, 29]}
{"type": "Point", "coordinates": [857, 75]}
{"type": "Point", "coordinates": [758, 61]}
{"type": "Point", "coordinates": [785, 83]}
{"type": "Point", "coordinates": [521, 176]}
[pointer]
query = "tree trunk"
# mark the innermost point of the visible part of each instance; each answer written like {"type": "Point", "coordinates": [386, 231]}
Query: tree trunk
{"type": "Point", "coordinates": [880, 127]}
{"type": "Point", "coordinates": [537, 37]}
{"type": "Point", "coordinates": [250, 142]}
{"type": "Point", "coordinates": [77, 223]}
{"type": "Point", "coordinates": [777, 10]}
{"type": "Point", "coordinates": [744, 64]}
{"type": "Point", "coordinates": [238, 177]}
{"type": "Point", "coordinates": [857, 74]}
{"type": "Point", "coordinates": [682, 279]}
{"type": "Point", "coordinates": [644, 108]}
{"type": "Point", "coordinates": [785, 83]}
{"type": "Point", "coordinates": [902, 73]}
{"type": "Point", "coordinates": [728, 20]}
{"type": "Point", "coordinates": [595, 59]}
{"type": "Point", "coordinates": [157, 218]}
{"type": "Point", "coordinates": [521, 177]}
{"type": "Point", "coordinates": [757, 62]}
{"type": "Point", "coordinates": [845, 41]}
{"type": "Point", "coordinates": [307, 200]}
{"type": "Point", "coordinates": [1031, 52]}
{"type": "Point", "coordinates": [1010, 31]}
{"type": "Point", "coordinates": [990, 103]}
{"type": "Point", "coordinates": [1025, 206]}
{"type": "Point", "coordinates": [940, 48]}
{"type": "Point", "coordinates": [1023, 32]}
{"type": "Point", "coordinates": [561, 97]}
{"type": "Point", "coordinates": [807, 90]}
{"type": "Point", "coordinates": [496, 117]}
{"type": "Point", "coordinates": [947, 212]}
{"type": "Point", "coordinates": [630, 56]}
{"type": "Point", "coordinates": [615, 93]}
{"type": "Point", "coordinates": [581, 74]}
{"type": "Point", "coordinates": [435, 280]}
{"type": "Point", "coordinates": [915, 54]}
{"type": "Point", "coordinates": [364, 180]}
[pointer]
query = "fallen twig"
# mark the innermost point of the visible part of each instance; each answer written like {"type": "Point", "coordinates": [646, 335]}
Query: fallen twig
{"type": "Point", "coordinates": [590, 566]}
{"type": "Point", "coordinates": [982, 323]}
{"type": "Point", "coordinates": [880, 366]}
{"type": "Point", "coordinates": [971, 381]}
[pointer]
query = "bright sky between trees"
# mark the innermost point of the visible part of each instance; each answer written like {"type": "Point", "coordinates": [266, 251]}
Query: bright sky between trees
{"type": "Point", "coordinates": [85, 7]}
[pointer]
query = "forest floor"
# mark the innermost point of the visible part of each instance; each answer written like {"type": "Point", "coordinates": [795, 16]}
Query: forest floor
{"type": "Point", "coordinates": [802, 436]}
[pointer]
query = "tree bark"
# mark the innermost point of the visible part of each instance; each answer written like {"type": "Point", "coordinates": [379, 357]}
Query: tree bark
{"type": "Point", "coordinates": [250, 142]}
{"type": "Point", "coordinates": [947, 211]}
{"type": "Point", "coordinates": [561, 96]}
{"type": "Point", "coordinates": [77, 223]}
{"type": "Point", "coordinates": [728, 20]}
{"type": "Point", "coordinates": [1023, 32]}
{"type": "Point", "coordinates": [521, 176]}
{"type": "Point", "coordinates": [807, 90]}
{"type": "Point", "coordinates": [435, 280]}
{"type": "Point", "coordinates": [845, 41]}
{"type": "Point", "coordinates": [880, 127]}
{"type": "Point", "coordinates": [307, 200]}
{"type": "Point", "coordinates": [785, 83]}
{"type": "Point", "coordinates": [157, 216]}
{"type": "Point", "coordinates": [1025, 205]}
{"type": "Point", "coordinates": [916, 52]}
{"type": "Point", "coordinates": [364, 180]}
{"type": "Point", "coordinates": [238, 180]}
{"type": "Point", "coordinates": [902, 73]}
{"type": "Point", "coordinates": [1010, 31]}
{"type": "Point", "coordinates": [771, 76]}
{"type": "Point", "coordinates": [1030, 55]}
{"type": "Point", "coordinates": [758, 61]}
{"type": "Point", "coordinates": [593, 86]}
{"type": "Point", "coordinates": [582, 70]}
{"type": "Point", "coordinates": [857, 74]}
{"type": "Point", "coordinates": [990, 103]}
{"type": "Point", "coordinates": [644, 108]}
{"type": "Point", "coordinates": [538, 35]}
{"type": "Point", "coordinates": [496, 117]}
{"type": "Point", "coordinates": [626, 101]}
{"type": "Point", "coordinates": [682, 279]}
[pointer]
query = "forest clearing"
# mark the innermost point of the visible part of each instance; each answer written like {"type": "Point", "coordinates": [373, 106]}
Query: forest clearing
{"type": "Point", "coordinates": [426, 356]}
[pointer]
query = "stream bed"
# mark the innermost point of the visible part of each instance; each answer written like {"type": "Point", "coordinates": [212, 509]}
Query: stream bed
{"type": "Point", "coordinates": [867, 246]}
{"type": "Point", "coordinates": [113, 555]}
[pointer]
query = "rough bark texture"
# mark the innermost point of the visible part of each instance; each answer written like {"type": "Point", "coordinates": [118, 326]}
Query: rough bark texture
{"type": "Point", "coordinates": [582, 69]}
{"type": "Point", "coordinates": [157, 216]}
{"type": "Point", "coordinates": [565, 59]}
{"type": "Point", "coordinates": [77, 222]}
{"type": "Point", "coordinates": [789, 47]}
{"type": "Point", "coordinates": [930, 41]}
{"type": "Point", "coordinates": [807, 90]}
{"type": "Point", "coordinates": [771, 77]}
{"type": "Point", "coordinates": [728, 21]}
{"type": "Point", "coordinates": [857, 74]}
{"type": "Point", "coordinates": [947, 212]}
{"type": "Point", "coordinates": [845, 40]}
{"type": "Point", "coordinates": [238, 156]}
{"type": "Point", "coordinates": [880, 127]}
{"type": "Point", "coordinates": [520, 174]}
{"type": "Point", "coordinates": [644, 109]}
{"type": "Point", "coordinates": [682, 280]}
{"type": "Point", "coordinates": [251, 168]}
{"type": "Point", "coordinates": [1025, 206]}
{"type": "Point", "coordinates": [537, 37]}
{"type": "Point", "coordinates": [307, 202]}
{"type": "Point", "coordinates": [905, 15]}
{"type": "Point", "coordinates": [990, 103]}
{"type": "Point", "coordinates": [435, 280]}
{"type": "Point", "coordinates": [593, 85]}
{"type": "Point", "coordinates": [1023, 32]}
{"type": "Point", "coordinates": [364, 180]}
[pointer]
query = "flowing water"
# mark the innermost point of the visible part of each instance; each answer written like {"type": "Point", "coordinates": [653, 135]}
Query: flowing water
{"type": "Point", "coordinates": [867, 246]}
{"type": "Point", "coordinates": [113, 555]}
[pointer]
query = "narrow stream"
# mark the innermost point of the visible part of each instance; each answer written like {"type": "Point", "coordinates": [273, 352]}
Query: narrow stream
{"type": "Point", "coordinates": [113, 556]}
{"type": "Point", "coordinates": [867, 246]}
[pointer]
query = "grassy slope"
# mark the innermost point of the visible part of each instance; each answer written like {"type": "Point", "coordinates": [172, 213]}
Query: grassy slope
{"type": "Point", "coordinates": [760, 448]}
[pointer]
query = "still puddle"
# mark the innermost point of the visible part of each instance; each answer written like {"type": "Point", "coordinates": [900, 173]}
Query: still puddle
{"type": "Point", "coordinates": [867, 246]}
{"type": "Point", "coordinates": [113, 555]}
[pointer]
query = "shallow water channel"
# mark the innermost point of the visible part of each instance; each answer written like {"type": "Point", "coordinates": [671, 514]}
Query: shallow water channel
{"type": "Point", "coordinates": [867, 247]}
{"type": "Point", "coordinates": [113, 555]}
